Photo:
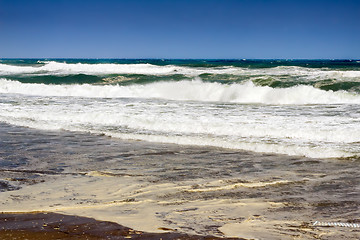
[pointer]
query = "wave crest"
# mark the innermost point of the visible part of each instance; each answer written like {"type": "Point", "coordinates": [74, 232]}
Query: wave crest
{"type": "Point", "coordinates": [62, 68]}
{"type": "Point", "coordinates": [195, 90]}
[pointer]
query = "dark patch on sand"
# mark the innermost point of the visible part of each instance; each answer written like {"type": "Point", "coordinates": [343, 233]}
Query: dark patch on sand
{"type": "Point", "coordinates": [44, 226]}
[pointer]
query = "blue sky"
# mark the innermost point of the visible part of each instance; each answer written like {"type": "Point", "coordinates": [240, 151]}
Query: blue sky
{"type": "Point", "coordinates": [180, 29]}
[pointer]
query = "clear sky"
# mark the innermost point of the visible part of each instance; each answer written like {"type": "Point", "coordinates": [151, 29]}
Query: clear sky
{"type": "Point", "coordinates": [180, 29]}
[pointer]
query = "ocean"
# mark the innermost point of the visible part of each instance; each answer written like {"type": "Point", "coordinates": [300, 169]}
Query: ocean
{"type": "Point", "coordinates": [219, 147]}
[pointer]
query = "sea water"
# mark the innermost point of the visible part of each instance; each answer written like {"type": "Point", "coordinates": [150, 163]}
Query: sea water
{"type": "Point", "coordinates": [306, 108]}
{"type": "Point", "coordinates": [220, 147]}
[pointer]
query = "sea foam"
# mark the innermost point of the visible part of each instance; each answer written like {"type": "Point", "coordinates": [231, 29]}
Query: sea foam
{"type": "Point", "coordinates": [195, 90]}
{"type": "Point", "coordinates": [62, 68]}
{"type": "Point", "coordinates": [58, 68]}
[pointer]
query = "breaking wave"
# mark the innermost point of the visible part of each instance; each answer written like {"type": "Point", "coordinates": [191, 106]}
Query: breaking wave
{"type": "Point", "coordinates": [195, 90]}
{"type": "Point", "coordinates": [62, 68]}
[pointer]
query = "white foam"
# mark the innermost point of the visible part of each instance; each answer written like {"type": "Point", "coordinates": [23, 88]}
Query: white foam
{"type": "Point", "coordinates": [293, 130]}
{"type": "Point", "coordinates": [188, 91]}
{"type": "Point", "coordinates": [279, 122]}
{"type": "Point", "coordinates": [312, 73]}
{"type": "Point", "coordinates": [61, 68]}
{"type": "Point", "coordinates": [54, 68]}
{"type": "Point", "coordinates": [293, 148]}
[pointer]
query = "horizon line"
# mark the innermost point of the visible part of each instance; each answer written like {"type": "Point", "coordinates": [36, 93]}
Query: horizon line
{"type": "Point", "coordinates": [163, 59]}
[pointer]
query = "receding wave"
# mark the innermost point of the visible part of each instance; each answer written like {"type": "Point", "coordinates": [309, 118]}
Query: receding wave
{"type": "Point", "coordinates": [195, 90]}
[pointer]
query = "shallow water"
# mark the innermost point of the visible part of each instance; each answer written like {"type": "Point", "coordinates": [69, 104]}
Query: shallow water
{"type": "Point", "coordinates": [199, 190]}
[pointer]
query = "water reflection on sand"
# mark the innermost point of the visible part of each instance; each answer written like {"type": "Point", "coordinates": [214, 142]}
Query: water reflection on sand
{"type": "Point", "coordinates": [164, 187]}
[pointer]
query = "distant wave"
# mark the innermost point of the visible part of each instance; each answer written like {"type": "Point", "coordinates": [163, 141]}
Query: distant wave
{"type": "Point", "coordinates": [109, 68]}
{"type": "Point", "coordinates": [195, 90]}
{"type": "Point", "coordinates": [60, 68]}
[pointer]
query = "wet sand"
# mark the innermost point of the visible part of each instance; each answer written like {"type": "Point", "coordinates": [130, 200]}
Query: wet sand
{"type": "Point", "coordinates": [43, 226]}
{"type": "Point", "coordinates": [157, 188]}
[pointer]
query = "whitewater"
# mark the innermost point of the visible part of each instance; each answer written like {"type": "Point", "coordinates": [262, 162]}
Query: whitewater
{"type": "Point", "coordinates": [301, 108]}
